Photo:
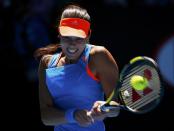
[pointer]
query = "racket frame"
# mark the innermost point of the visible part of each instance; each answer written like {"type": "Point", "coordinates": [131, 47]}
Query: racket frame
{"type": "Point", "coordinates": [125, 71]}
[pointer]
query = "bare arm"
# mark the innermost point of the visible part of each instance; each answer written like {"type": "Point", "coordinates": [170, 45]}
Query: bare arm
{"type": "Point", "coordinates": [49, 114]}
{"type": "Point", "coordinates": [106, 69]}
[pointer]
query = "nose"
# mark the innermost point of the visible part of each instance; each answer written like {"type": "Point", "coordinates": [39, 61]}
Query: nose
{"type": "Point", "coordinates": [72, 43]}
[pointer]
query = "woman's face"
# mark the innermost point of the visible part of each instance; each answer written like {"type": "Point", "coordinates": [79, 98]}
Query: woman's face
{"type": "Point", "coordinates": [72, 46]}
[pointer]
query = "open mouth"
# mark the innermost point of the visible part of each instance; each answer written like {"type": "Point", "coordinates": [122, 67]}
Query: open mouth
{"type": "Point", "coordinates": [71, 51]}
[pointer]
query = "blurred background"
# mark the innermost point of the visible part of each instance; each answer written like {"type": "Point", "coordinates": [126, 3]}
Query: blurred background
{"type": "Point", "coordinates": [127, 28]}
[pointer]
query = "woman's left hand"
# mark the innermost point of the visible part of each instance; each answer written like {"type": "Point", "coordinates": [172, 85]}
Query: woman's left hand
{"type": "Point", "coordinates": [97, 114]}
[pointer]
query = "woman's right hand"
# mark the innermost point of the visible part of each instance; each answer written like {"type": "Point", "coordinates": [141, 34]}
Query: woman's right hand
{"type": "Point", "coordinates": [83, 118]}
{"type": "Point", "coordinates": [97, 114]}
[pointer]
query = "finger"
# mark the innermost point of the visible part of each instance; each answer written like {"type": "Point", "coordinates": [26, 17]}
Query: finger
{"type": "Point", "coordinates": [90, 117]}
{"type": "Point", "coordinates": [114, 103]}
{"type": "Point", "coordinates": [81, 118]}
{"type": "Point", "coordinates": [87, 117]}
{"type": "Point", "coordinates": [96, 112]}
{"type": "Point", "coordinates": [96, 104]}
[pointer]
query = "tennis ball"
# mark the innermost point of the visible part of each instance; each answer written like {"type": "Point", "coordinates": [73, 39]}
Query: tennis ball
{"type": "Point", "coordinates": [138, 82]}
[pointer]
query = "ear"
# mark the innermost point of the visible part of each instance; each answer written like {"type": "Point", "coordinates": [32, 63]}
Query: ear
{"type": "Point", "coordinates": [89, 35]}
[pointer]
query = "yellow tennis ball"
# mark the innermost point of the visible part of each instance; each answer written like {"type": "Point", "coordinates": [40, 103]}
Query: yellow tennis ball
{"type": "Point", "coordinates": [138, 82]}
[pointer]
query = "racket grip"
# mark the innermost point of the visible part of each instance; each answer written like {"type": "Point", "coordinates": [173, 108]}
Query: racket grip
{"type": "Point", "coordinates": [106, 108]}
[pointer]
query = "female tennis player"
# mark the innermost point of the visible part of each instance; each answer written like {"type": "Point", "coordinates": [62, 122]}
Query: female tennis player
{"type": "Point", "coordinates": [75, 76]}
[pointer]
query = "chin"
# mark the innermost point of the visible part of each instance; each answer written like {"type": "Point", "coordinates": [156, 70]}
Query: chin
{"type": "Point", "coordinates": [72, 57]}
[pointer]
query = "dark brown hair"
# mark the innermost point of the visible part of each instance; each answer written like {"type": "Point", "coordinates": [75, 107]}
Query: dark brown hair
{"type": "Point", "coordinates": [70, 11]}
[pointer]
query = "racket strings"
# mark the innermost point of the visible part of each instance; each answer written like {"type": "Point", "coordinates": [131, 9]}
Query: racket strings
{"type": "Point", "coordinates": [145, 99]}
{"type": "Point", "coordinates": [126, 81]}
{"type": "Point", "coordinates": [134, 71]}
{"type": "Point", "coordinates": [127, 86]}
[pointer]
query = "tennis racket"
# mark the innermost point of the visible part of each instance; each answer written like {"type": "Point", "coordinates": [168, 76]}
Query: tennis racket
{"type": "Point", "coordinates": [137, 100]}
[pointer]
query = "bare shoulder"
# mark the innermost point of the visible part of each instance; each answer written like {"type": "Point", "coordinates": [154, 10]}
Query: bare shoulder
{"type": "Point", "coordinates": [99, 55]}
{"type": "Point", "coordinates": [100, 52]}
{"type": "Point", "coordinates": [42, 66]}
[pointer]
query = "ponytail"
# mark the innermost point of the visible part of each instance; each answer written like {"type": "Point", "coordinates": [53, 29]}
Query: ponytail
{"type": "Point", "coordinates": [49, 49]}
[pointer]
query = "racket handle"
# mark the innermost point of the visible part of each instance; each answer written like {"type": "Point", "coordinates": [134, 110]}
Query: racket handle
{"type": "Point", "coordinates": [106, 108]}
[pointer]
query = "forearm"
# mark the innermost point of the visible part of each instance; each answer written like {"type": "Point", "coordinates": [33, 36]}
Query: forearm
{"type": "Point", "coordinates": [53, 116]}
